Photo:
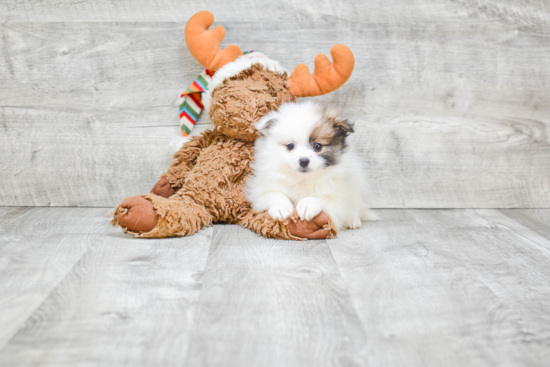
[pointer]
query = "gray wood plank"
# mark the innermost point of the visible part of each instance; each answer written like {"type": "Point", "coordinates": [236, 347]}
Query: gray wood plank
{"type": "Point", "coordinates": [88, 109]}
{"type": "Point", "coordinates": [132, 65]}
{"type": "Point", "coordinates": [79, 66]}
{"type": "Point", "coordinates": [38, 247]}
{"type": "Point", "coordinates": [127, 302]}
{"type": "Point", "coordinates": [274, 303]}
{"type": "Point", "coordinates": [453, 288]}
{"type": "Point", "coordinates": [524, 12]}
{"type": "Point", "coordinates": [420, 287]}
{"type": "Point", "coordinates": [537, 220]}
{"type": "Point", "coordinates": [80, 158]}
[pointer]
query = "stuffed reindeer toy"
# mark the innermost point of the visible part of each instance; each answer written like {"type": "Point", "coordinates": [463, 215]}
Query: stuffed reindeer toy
{"type": "Point", "coordinates": [206, 180]}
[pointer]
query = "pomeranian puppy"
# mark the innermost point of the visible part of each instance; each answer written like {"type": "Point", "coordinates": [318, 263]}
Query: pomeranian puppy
{"type": "Point", "coordinates": [304, 159]}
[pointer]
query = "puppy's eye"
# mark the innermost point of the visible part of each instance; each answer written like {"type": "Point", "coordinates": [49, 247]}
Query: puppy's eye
{"type": "Point", "coordinates": [290, 146]}
{"type": "Point", "coordinates": [317, 147]}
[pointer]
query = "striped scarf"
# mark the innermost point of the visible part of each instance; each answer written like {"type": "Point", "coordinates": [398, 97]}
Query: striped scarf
{"type": "Point", "coordinates": [190, 101]}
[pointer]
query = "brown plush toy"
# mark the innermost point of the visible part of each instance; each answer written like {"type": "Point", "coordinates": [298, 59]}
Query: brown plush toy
{"type": "Point", "coordinates": [205, 183]}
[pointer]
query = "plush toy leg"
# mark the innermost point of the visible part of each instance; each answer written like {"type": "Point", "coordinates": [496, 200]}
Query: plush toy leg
{"type": "Point", "coordinates": [158, 217]}
{"type": "Point", "coordinates": [293, 228]}
{"type": "Point", "coordinates": [184, 160]}
{"type": "Point", "coordinates": [186, 157]}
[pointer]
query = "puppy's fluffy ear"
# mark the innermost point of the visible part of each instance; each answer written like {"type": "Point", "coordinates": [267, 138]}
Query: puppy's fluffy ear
{"type": "Point", "coordinates": [263, 124]}
{"type": "Point", "coordinates": [344, 125]}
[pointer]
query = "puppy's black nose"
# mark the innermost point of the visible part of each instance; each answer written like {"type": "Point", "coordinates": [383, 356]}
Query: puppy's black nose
{"type": "Point", "coordinates": [303, 162]}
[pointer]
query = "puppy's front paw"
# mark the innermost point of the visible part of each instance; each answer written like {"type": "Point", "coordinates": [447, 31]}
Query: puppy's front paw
{"type": "Point", "coordinates": [354, 223]}
{"type": "Point", "coordinates": [308, 208]}
{"type": "Point", "coordinates": [281, 209]}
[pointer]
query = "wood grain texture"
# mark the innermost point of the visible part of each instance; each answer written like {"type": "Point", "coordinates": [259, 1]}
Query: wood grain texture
{"type": "Point", "coordinates": [537, 220]}
{"type": "Point", "coordinates": [127, 302]}
{"type": "Point", "coordinates": [274, 303]}
{"type": "Point", "coordinates": [81, 157]}
{"type": "Point", "coordinates": [449, 97]}
{"type": "Point", "coordinates": [524, 12]}
{"type": "Point", "coordinates": [38, 247]}
{"type": "Point", "coordinates": [418, 288]}
{"type": "Point", "coordinates": [449, 287]}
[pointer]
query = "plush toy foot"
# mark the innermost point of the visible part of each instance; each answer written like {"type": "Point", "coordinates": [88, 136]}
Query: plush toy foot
{"type": "Point", "coordinates": [163, 188]}
{"type": "Point", "coordinates": [137, 214]}
{"type": "Point", "coordinates": [152, 216]}
{"type": "Point", "coordinates": [292, 228]}
{"type": "Point", "coordinates": [320, 227]}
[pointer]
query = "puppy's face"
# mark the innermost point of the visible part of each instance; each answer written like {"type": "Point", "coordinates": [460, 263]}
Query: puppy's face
{"type": "Point", "coordinates": [306, 137]}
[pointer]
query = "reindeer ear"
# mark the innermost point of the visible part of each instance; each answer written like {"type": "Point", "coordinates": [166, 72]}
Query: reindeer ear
{"type": "Point", "coordinates": [326, 77]}
{"type": "Point", "coordinates": [263, 124]}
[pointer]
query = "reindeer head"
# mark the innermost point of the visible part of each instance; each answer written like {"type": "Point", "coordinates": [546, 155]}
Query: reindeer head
{"type": "Point", "coordinates": [245, 88]}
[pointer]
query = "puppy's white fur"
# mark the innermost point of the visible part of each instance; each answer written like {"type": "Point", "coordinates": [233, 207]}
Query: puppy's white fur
{"type": "Point", "coordinates": [279, 183]}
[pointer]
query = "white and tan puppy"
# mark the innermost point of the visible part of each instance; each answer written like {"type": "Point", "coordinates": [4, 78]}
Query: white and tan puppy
{"type": "Point", "coordinates": [303, 159]}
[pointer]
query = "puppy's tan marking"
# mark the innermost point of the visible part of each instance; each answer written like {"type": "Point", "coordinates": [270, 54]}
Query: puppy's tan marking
{"type": "Point", "coordinates": [331, 132]}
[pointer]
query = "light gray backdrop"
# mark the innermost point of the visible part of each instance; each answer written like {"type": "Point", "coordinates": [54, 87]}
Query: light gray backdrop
{"type": "Point", "coordinates": [450, 97]}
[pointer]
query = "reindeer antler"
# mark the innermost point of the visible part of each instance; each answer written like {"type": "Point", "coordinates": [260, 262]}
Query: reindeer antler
{"type": "Point", "coordinates": [204, 44]}
{"type": "Point", "coordinates": [327, 76]}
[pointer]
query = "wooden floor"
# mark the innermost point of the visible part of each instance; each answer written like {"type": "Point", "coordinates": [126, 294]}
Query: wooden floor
{"type": "Point", "coordinates": [419, 288]}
